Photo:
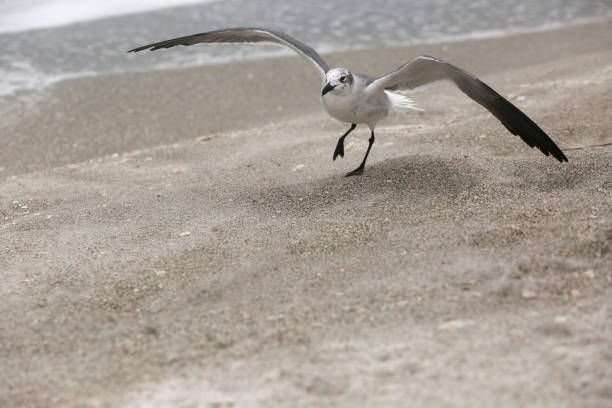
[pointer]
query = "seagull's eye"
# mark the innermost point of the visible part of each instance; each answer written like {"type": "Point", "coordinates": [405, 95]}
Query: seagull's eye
{"type": "Point", "coordinates": [342, 78]}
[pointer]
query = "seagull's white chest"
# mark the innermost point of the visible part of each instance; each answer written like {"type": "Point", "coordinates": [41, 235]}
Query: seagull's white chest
{"type": "Point", "coordinates": [356, 106]}
{"type": "Point", "coordinates": [341, 107]}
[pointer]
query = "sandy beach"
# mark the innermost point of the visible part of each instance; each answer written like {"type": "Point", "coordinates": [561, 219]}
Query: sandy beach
{"type": "Point", "coordinates": [183, 238]}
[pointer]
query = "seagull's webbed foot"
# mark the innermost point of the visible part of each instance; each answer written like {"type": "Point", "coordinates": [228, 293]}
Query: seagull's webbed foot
{"type": "Point", "coordinates": [357, 172]}
{"type": "Point", "coordinates": [340, 146]}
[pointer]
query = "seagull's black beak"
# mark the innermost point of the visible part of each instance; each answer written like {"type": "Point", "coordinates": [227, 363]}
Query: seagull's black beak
{"type": "Point", "coordinates": [328, 87]}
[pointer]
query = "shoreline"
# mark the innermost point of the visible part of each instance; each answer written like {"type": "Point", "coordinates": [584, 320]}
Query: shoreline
{"type": "Point", "coordinates": [33, 92]}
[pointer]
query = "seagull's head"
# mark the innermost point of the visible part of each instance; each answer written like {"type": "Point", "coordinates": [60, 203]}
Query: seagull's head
{"type": "Point", "coordinates": [337, 80]}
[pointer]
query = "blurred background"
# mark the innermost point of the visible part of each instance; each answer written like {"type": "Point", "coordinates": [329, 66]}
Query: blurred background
{"type": "Point", "coordinates": [44, 41]}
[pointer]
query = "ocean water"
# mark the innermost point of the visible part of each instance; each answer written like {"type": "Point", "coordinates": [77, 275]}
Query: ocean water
{"type": "Point", "coordinates": [43, 41]}
{"type": "Point", "coordinates": [22, 15]}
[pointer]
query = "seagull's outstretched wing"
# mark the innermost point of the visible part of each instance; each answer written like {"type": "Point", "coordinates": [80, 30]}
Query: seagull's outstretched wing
{"type": "Point", "coordinates": [424, 70]}
{"type": "Point", "coordinates": [242, 35]}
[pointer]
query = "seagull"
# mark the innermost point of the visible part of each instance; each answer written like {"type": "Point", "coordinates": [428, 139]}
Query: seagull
{"type": "Point", "coordinates": [361, 99]}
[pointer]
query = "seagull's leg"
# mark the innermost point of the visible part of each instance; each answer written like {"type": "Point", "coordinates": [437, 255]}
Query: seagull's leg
{"type": "Point", "coordinates": [359, 170]}
{"type": "Point", "coordinates": [340, 146]}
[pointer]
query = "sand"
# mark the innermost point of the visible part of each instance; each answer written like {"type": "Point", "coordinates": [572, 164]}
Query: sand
{"type": "Point", "coordinates": [183, 238]}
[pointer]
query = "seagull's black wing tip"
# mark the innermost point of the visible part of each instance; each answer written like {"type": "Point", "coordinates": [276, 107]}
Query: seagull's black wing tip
{"type": "Point", "coordinates": [561, 157]}
{"type": "Point", "coordinates": [546, 146]}
{"type": "Point", "coordinates": [144, 47]}
{"type": "Point", "coordinates": [557, 155]}
{"type": "Point", "coordinates": [153, 47]}
{"type": "Point", "coordinates": [521, 125]}
{"type": "Point", "coordinates": [553, 149]}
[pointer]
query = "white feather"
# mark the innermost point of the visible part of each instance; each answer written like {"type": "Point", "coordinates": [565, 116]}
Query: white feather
{"type": "Point", "coordinates": [402, 102]}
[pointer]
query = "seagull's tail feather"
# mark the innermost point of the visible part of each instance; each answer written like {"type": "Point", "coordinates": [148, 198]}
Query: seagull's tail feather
{"type": "Point", "coordinates": [400, 101]}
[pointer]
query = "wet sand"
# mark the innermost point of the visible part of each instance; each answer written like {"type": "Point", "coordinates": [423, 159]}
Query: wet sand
{"type": "Point", "coordinates": [183, 238]}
